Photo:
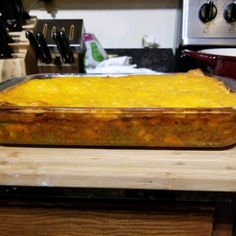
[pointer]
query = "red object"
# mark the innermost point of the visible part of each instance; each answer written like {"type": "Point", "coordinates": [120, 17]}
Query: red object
{"type": "Point", "coordinates": [221, 61]}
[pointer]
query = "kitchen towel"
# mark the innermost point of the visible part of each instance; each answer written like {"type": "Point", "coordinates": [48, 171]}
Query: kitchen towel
{"type": "Point", "coordinates": [116, 65]}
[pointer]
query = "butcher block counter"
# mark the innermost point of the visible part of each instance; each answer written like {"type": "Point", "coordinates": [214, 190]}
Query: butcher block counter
{"type": "Point", "coordinates": [198, 170]}
{"type": "Point", "coordinates": [175, 192]}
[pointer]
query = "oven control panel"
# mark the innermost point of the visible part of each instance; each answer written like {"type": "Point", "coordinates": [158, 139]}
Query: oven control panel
{"type": "Point", "coordinates": [209, 22]}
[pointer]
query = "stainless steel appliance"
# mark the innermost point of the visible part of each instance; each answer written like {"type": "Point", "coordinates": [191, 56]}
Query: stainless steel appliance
{"type": "Point", "coordinates": [205, 24]}
{"type": "Point", "coordinates": [209, 22]}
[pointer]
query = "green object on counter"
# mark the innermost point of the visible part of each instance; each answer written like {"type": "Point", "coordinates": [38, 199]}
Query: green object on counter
{"type": "Point", "coordinates": [97, 56]}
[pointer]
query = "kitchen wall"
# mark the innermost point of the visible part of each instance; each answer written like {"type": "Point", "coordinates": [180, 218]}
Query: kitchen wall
{"type": "Point", "coordinates": [121, 24]}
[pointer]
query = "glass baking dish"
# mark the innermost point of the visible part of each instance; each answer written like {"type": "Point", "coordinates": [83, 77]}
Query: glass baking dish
{"type": "Point", "coordinates": [117, 127]}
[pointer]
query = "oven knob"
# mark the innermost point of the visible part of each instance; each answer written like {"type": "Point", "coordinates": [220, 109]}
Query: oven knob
{"type": "Point", "coordinates": [207, 12]}
{"type": "Point", "coordinates": [230, 13]}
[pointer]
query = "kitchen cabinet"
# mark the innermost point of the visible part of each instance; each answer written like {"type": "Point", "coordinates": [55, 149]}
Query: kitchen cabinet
{"type": "Point", "coordinates": [104, 4]}
{"type": "Point", "coordinates": [89, 191]}
{"type": "Point", "coordinates": [60, 221]}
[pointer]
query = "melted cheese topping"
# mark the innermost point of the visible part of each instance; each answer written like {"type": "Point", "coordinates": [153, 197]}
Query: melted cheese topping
{"type": "Point", "coordinates": [188, 90]}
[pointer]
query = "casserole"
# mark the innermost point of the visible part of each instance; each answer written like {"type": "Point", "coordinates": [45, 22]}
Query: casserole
{"type": "Point", "coordinates": [116, 127]}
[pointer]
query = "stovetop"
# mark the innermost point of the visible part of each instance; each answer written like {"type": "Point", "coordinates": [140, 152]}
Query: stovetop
{"type": "Point", "coordinates": [209, 22]}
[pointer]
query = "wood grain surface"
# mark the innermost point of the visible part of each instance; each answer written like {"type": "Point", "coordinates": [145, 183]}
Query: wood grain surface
{"type": "Point", "coordinates": [119, 168]}
{"type": "Point", "coordinates": [23, 61]}
{"type": "Point", "coordinates": [73, 222]}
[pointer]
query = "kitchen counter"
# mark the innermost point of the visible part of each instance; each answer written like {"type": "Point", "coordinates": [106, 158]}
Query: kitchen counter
{"type": "Point", "coordinates": [157, 59]}
{"type": "Point", "coordinates": [194, 170]}
{"type": "Point", "coordinates": [111, 191]}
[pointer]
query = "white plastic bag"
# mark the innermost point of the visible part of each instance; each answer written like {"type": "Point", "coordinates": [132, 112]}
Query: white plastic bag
{"type": "Point", "coordinates": [94, 51]}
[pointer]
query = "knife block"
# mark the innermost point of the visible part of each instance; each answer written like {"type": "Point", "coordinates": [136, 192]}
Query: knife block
{"type": "Point", "coordinates": [24, 61]}
{"type": "Point", "coordinates": [73, 29]}
{"type": "Point", "coordinates": [57, 66]}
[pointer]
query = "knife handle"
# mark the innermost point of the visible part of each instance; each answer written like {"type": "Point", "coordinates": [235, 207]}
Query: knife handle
{"type": "Point", "coordinates": [16, 20]}
{"type": "Point", "coordinates": [34, 44]}
{"type": "Point", "coordinates": [55, 38]}
{"type": "Point", "coordinates": [26, 15]}
{"type": "Point", "coordinates": [63, 47]}
{"type": "Point", "coordinates": [5, 49]}
{"type": "Point", "coordinates": [67, 48]}
{"type": "Point", "coordinates": [47, 58]}
{"type": "Point", "coordinates": [4, 32]}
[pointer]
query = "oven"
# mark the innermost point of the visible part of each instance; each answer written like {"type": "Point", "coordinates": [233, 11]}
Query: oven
{"type": "Point", "coordinates": [205, 24]}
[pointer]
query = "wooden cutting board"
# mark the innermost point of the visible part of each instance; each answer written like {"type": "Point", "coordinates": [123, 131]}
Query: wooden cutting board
{"type": "Point", "coordinates": [203, 170]}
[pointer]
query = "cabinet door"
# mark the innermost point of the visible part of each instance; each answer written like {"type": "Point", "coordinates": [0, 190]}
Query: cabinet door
{"type": "Point", "coordinates": [29, 221]}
